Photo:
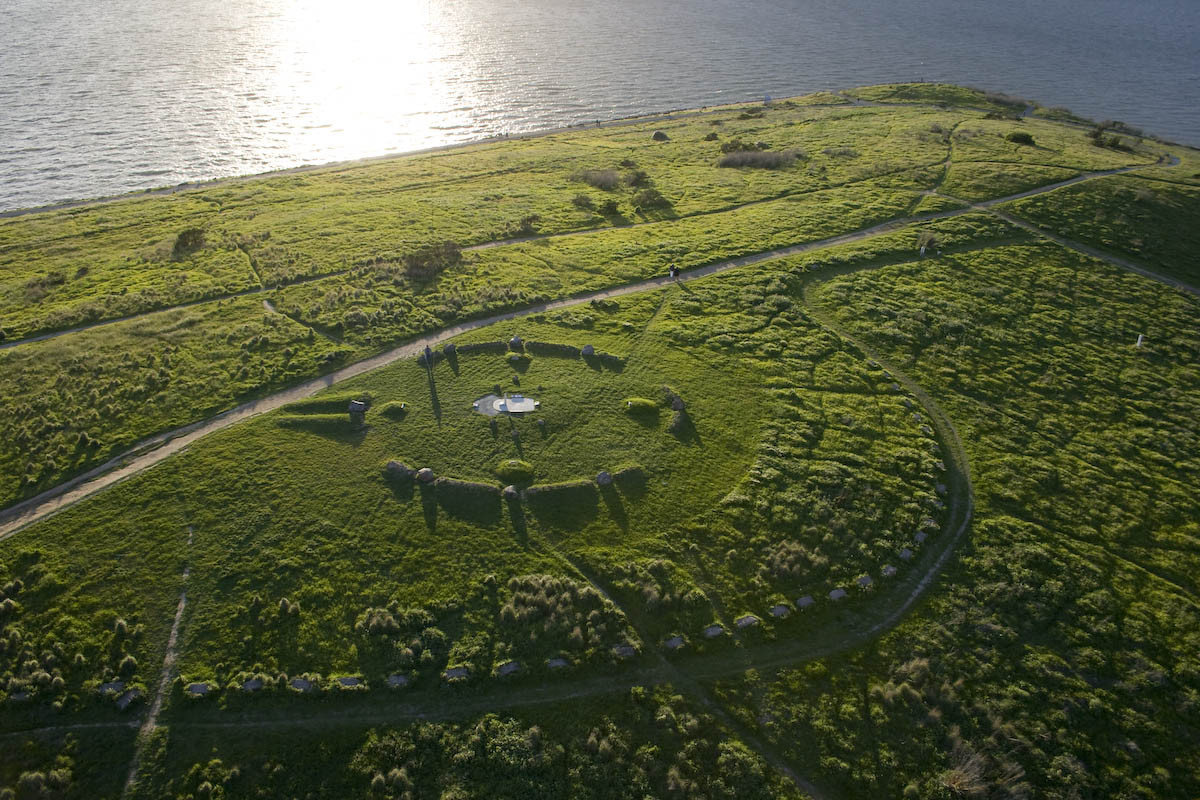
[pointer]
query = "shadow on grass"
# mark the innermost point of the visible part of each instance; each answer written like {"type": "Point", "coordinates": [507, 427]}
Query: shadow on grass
{"type": "Point", "coordinates": [616, 508]}
{"type": "Point", "coordinates": [516, 515]}
{"type": "Point", "coordinates": [477, 503]}
{"type": "Point", "coordinates": [452, 360]}
{"type": "Point", "coordinates": [429, 505]}
{"type": "Point", "coordinates": [402, 489]}
{"type": "Point", "coordinates": [683, 429]}
{"type": "Point", "coordinates": [567, 506]}
{"type": "Point", "coordinates": [434, 403]}
{"type": "Point", "coordinates": [632, 482]}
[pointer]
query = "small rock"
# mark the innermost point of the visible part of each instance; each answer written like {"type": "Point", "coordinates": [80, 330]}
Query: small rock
{"type": "Point", "coordinates": [349, 682]}
{"type": "Point", "coordinates": [455, 673]}
{"type": "Point", "coordinates": [920, 537]}
{"type": "Point", "coordinates": [425, 475]}
{"type": "Point", "coordinates": [906, 554]}
{"type": "Point", "coordinates": [837, 594]}
{"type": "Point", "coordinates": [713, 631]}
{"type": "Point", "coordinates": [510, 492]}
{"type": "Point", "coordinates": [805, 602]}
{"type": "Point", "coordinates": [557, 663]}
{"type": "Point", "coordinates": [125, 700]}
{"type": "Point", "coordinates": [604, 478]}
{"type": "Point", "coordinates": [625, 651]}
{"type": "Point", "coordinates": [865, 581]}
{"type": "Point", "coordinates": [397, 681]}
{"type": "Point", "coordinates": [889, 571]}
{"type": "Point", "coordinates": [198, 689]}
{"type": "Point", "coordinates": [449, 349]}
{"type": "Point", "coordinates": [588, 350]}
{"type": "Point", "coordinates": [515, 343]}
{"type": "Point", "coordinates": [301, 684]}
{"type": "Point", "coordinates": [747, 621]}
{"type": "Point", "coordinates": [674, 643]}
{"type": "Point", "coordinates": [659, 136]}
{"type": "Point", "coordinates": [252, 685]}
{"type": "Point", "coordinates": [780, 610]}
{"type": "Point", "coordinates": [508, 668]}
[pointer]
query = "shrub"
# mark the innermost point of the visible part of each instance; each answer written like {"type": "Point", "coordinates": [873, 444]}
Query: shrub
{"type": "Point", "coordinates": [711, 137]}
{"type": "Point", "coordinates": [759, 159]}
{"type": "Point", "coordinates": [524, 227]}
{"type": "Point", "coordinates": [553, 349]}
{"type": "Point", "coordinates": [393, 410]}
{"type": "Point", "coordinates": [650, 198]}
{"type": "Point", "coordinates": [328, 403]}
{"type": "Point", "coordinates": [609, 208]}
{"type": "Point", "coordinates": [842, 152]}
{"type": "Point", "coordinates": [514, 470]}
{"type": "Point", "coordinates": [583, 201]}
{"type": "Point", "coordinates": [640, 405]}
{"type": "Point", "coordinates": [188, 241]}
{"type": "Point", "coordinates": [429, 261]}
{"type": "Point", "coordinates": [316, 423]}
{"type": "Point", "coordinates": [737, 146]}
{"type": "Point", "coordinates": [603, 179]}
{"type": "Point", "coordinates": [637, 178]}
{"type": "Point", "coordinates": [1019, 137]}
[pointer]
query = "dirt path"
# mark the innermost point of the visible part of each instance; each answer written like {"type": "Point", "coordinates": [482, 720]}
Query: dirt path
{"type": "Point", "coordinates": [164, 683]}
{"type": "Point", "coordinates": [158, 447]}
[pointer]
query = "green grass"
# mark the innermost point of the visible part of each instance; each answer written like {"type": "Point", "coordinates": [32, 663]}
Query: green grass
{"type": "Point", "coordinates": [980, 181]}
{"type": "Point", "coordinates": [634, 744]}
{"type": "Point", "coordinates": [1065, 638]}
{"type": "Point", "coordinates": [1056, 653]}
{"type": "Point", "coordinates": [73, 402]}
{"type": "Point", "coordinates": [1149, 221]}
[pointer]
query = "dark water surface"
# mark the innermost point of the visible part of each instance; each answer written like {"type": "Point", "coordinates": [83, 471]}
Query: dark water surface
{"type": "Point", "coordinates": [109, 96]}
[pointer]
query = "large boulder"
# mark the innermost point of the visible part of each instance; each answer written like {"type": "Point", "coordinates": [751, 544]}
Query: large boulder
{"type": "Point", "coordinates": [660, 136]}
{"type": "Point", "coordinates": [425, 475]}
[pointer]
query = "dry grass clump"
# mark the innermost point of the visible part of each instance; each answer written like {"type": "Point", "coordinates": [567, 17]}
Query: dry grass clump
{"type": "Point", "coordinates": [603, 179]}
{"type": "Point", "coordinates": [758, 159]}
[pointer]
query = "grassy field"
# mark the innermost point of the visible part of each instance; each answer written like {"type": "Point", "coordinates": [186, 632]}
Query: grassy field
{"type": "Point", "coordinates": [707, 456]}
{"type": "Point", "coordinates": [646, 742]}
{"type": "Point", "coordinates": [1061, 655]}
{"type": "Point", "coordinates": [343, 251]}
{"type": "Point", "coordinates": [1149, 221]}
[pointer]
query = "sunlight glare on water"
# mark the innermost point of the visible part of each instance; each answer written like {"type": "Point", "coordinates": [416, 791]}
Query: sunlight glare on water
{"type": "Point", "coordinates": [111, 96]}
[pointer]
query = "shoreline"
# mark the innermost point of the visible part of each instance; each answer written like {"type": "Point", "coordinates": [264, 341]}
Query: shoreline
{"type": "Point", "coordinates": [677, 113]}
{"type": "Point", "coordinates": [186, 186]}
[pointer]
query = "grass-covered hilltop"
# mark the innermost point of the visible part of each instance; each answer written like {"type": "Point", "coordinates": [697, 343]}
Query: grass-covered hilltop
{"type": "Point", "coordinates": [891, 493]}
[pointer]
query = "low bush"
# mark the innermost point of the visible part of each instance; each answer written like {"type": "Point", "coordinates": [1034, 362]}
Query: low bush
{"type": "Point", "coordinates": [514, 470]}
{"type": "Point", "coordinates": [316, 423]}
{"type": "Point", "coordinates": [1020, 137]}
{"type": "Point", "coordinates": [759, 159]}
{"type": "Point", "coordinates": [640, 406]}
{"type": "Point", "coordinates": [603, 179]}
{"type": "Point", "coordinates": [583, 201]}
{"type": "Point", "coordinates": [393, 410]}
{"type": "Point", "coordinates": [337, 403]}
{"type": "Point", "coordinates": [429, 261]}
{"type": "Point", "coordinates": [650, 198]}
{"type": "Point", "coordinates": [553, 349]}
{"type": "Point", "coordinates": [188, 241]}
